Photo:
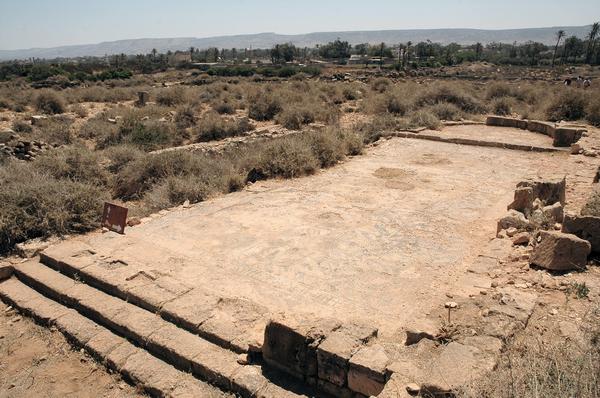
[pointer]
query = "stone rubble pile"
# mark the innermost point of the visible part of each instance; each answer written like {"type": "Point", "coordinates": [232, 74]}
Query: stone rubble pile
{"type": "Point", "coordinates": [556, 241]}
{"type": "Point", "coordinates": [20, 148]}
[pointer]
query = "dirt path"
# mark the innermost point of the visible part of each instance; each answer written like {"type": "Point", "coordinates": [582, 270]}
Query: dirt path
{"type": "Point", "coordinates": [37, 362]}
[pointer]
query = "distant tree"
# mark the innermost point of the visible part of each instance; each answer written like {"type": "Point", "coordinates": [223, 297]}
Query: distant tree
{"type": "Point", "coordinates": [282, 53]}
{"type": "Point", "coordinates": [478, 50]}
{"type": "Point", "coordinates": [154, 53]}
{"type": "Point", "coordinates": [337, 50]}
{"type": "Point", "coordinates": [559, 36]}
{"type": "Point", "coordinates": [573, 48]}
{"type": "Point", "coordinates": [591, 41]}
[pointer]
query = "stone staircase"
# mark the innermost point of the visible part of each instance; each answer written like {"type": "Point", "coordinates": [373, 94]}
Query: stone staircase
{"type": "Point", "coordinates": [164, 355]}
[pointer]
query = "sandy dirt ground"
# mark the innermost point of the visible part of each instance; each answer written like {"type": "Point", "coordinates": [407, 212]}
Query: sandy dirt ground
{"type": "Point", "coordinates": [383, 238]}
{"type": "Point", "coordinates": [37, 362]}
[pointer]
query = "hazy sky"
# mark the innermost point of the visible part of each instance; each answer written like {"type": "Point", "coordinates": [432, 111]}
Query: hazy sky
{"type": "Point", "coordinates": [48, 23]}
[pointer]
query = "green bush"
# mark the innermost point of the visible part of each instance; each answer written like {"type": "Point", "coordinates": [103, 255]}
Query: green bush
{"type": "Point", "coordinates": [49, 102]}
{"type": "Point", "coordinates": [569, 105]}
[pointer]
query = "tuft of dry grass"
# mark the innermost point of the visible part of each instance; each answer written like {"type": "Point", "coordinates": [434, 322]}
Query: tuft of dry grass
{"type": "Point", "coordinates": [50, 102]}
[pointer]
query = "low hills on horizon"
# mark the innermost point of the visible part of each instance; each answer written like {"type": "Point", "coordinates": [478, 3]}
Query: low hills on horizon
{"type": "Point", "coordinates": [267, 40]}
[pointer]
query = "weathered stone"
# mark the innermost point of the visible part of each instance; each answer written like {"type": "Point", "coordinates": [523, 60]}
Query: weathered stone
{"type": "Point", "coordinates": [576, 149]}
{"type": "Point", "coordinates": [290, 344]}
{"type": "Point", "coordinates": [521, 239]}
{"type": "Point", "coordinates": [6, 271]}
{"type": "Point", "coordinates": [585, 227]}
{"type": "Point", "coordinates": [558, 251]}
{"type": "Point", "coordinates": [523, 200]}
{"type": "Point", "coordinates": [142, 98]}
{"type": "Point", "coordinates": [368, 370]}
{"type": "Point", "coordinates": [513, 219]}
{"type": "Point", "coordinates": [554, 212]}
{"type": "Point", "coordinates": [564, 136]}
{"type": "Point", "coordinates": [334, 353]}
{"type": "Point", "coordinates": [549, 191]}
{"type": "Point", "coordinates": [541, 127]}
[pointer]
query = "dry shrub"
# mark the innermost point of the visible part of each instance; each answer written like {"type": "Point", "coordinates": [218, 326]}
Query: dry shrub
{"type": "Point", "coordinates": [214, 127]}
{"type": "Point", "coordinates": [452, 94]}
{"type": "Point", "coordinates": [424, 118]}
{"type": "Point", "coordinates": [79, 110]}
{"type": "Point", "coordinates": [569, 105]}
{"type": "Point", "coordinates": [446, 111]}
{"type": "Point", "coordinates": [21, 126]}
{"type": "Point", "coordinates": [100, 94]}
{"type": "Point", "coordinates": [142, 174]}
{"type": "Point", "coordinates": [185, 116]}
{"type": "Point", "coordinates": [121, 155]}
{"type": "Point", "coordinates": [498, 90]}
{"type": "Point", "coordinates": [98, 129]}
{"type": "Point", "coordinates": [75, 163]}
{"type": "Point", "coordinates": [49, 102]}
{"type": "Point", "coordinates": [223, 107]}
{"type": "Point", "coordinates": [502, 106]}
{"type": "Point", "coordinates": [381, 84]}
{"type": "Point", "coordinates": [35, 204]}
{"type": "Point", "coordinates": [172, 96]}
{"type": "Point", "coordinates": [592, 205]}
{"type": "Point", "coordinates": [593, 111]}
{"type": "Point", "coordinates": [550, 367]}
{"type": "Point", "coordinates": [54, 131]}
{"type": "Point", "coordinates": [263, 105]}
{"type": "Point", "coordinates": [286, 157]}
{"type": "Point", "coordinates": [376, 128]}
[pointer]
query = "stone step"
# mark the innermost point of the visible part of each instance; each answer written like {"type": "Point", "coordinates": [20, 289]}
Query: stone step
{"type": "Point", "coordinates": [163, 339]}
{"type": "Point", "coordinates": [154, 376]}
{"type": "Point", "coordinates": [232, 323]}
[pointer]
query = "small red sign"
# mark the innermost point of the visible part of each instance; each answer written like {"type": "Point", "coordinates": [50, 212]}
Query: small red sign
{"type": "Point", "coordinates": [114, 217]}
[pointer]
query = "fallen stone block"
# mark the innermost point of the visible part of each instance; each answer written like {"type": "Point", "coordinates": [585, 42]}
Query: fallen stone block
{"type": "Point", "coordinates": [6, 271]}
{"type": "Point", "coordinates": [523, 199]}
{"type": "Point", "coordinates": [521, 239]}
{"type": "Point", "coordinates": [513, 219]}
{"type": "Point", "coordinates": [334, 353]}
{"type": "Point", "coordinates": [554, 212]}
{"type": "Point", "coordinates": [368, 370]}
{"type": "Point", "coordinates": [564, 137]}
{"type": "Point", "coordinates": [549, 191]}
{"type": "Point", "coordinates": [584, 227]}
{"type": "Point", "coordinates": [558, 251]}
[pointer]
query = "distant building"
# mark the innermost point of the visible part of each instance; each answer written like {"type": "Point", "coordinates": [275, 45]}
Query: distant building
{"type": "Point", "coordinates": [357, 59]}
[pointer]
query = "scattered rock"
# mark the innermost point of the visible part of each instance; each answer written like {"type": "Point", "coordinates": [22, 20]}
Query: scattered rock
{"type": "Point", "coordinates": [513, 219]}
{"type": "Point", "coordinates": [132, 222]}
{"type": "Point", "coordinates": [590, 153]}
{"type": "Point", "coordinates": [521, 239]}
{"type": "Point", "coordinates": [512, 231]}
{"type": "Point", "coordinates": [413, 388]}
{"type": "Point", "coordinates": [549, 191]}
{"type": "Point", "coordinates": [186, 204]}
{"type": "Point", "coordinates": [576, 149]}
{"type": "Point", "coordinates": [242, 359]}
{"type": "Point", "coordinates": [558, 251]}
{"type": "Point", "coordinates": [553, 212]}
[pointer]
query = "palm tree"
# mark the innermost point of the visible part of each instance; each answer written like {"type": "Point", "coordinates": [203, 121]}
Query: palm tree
{"type": "Point", "coordinates": [591, 41]}
{"type": "Point", "coordinates": [559, 35]}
